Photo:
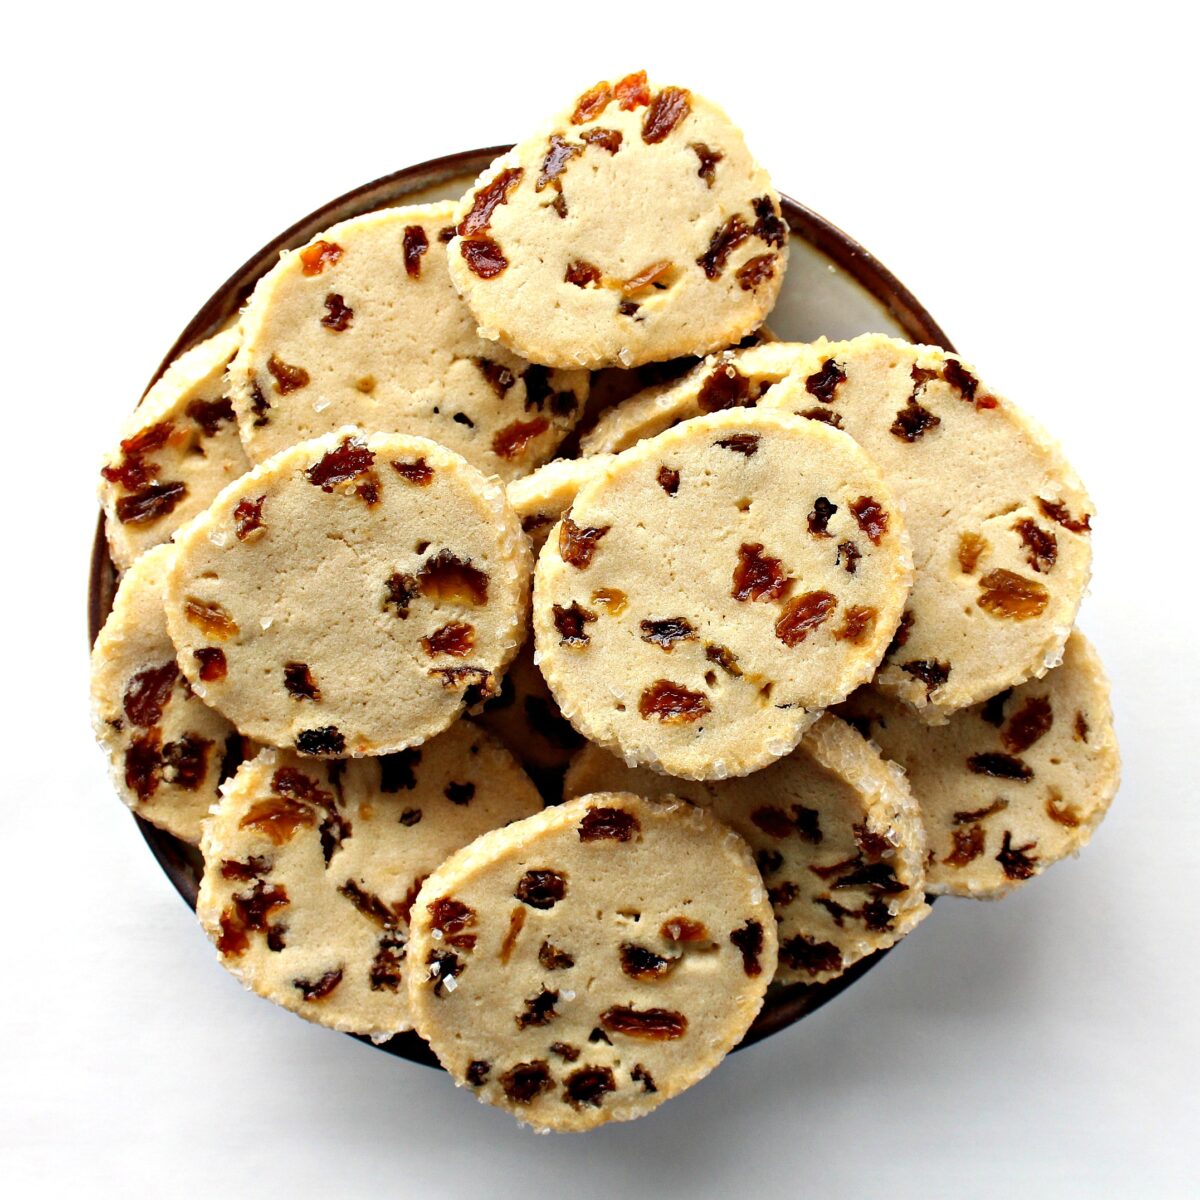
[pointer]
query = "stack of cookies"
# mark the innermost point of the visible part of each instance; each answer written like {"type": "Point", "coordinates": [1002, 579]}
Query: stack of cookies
{"type": "Point", "coordinates": [568, 763]}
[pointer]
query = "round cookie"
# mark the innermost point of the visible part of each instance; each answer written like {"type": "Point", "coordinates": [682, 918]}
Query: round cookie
{"type": "Point", "coordinates": [590, 962]}
{"type": "Point", "coordinates": [362, 326]}
{"type": "Point", "coordinates": [178, 449]}
{"type": "Point", "coordinates": [834, 830]}
{"type": "Point", "coordinates": [716, 584]}
{"type": "Point", "coordinates": [1000, 525]}
{"type": "Point", "coordinates": [1010, 786]}
{"type": "Point", "coordinates": [635, 227]}
{"type": "Point", "coordinates": [167, 750]}
{"type": "Point", "coordinates": [541, 498]}
{"type": "Point", "coordinates": [354, 593]}
{"type": "Point", "coordinates": [311, 867]}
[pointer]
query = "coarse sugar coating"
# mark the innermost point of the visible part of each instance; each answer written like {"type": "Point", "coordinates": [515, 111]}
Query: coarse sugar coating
{"type": "Point", "coordinates": [363, 326]}
{"type": "Point", "coordinates": [1010, 786]}
{"type": "Point", "coordinates": [311, 867]}
{"type": "Point", "coordinates": [835, 833]}
{"type": "Point", "coordinates": [589, 962]}
{"type": "Point", "coordinates": [178, 449]}
{"type": "Point", "coordinates": [361, 589]}
{"type": "Point", "coordinates": [715, 586]}
{"type": "Point", "coordinates": [167, 750]}
{"type": "Point", "coordinates": [634, 227]}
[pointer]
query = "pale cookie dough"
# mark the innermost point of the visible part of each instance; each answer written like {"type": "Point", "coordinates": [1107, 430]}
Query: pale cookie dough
{"type": "Point", "coordinates": [714, 586]}
{"type": "Point", "coordinates": [541, 498]}
{"type": "Point", "coordinates": [167, 750]}
{"type": "Point", "coordinates": [360, 590]}
{"type": "Point", "coordinates": [590, 962]}
{"type": "Point", "coordinates": [362, 326]}
{"type": "Point", "coordinates": [310, 868]}
{"type": "Point", "coordinates": [178, 449]}
{"type": "Point", "coordinates": [834, 830]}
{"type": "Point", "coordinates": [1000, 525]}
{"type": "Point", "coordinates": [1012, 785]}
{"type": "Point", "coordinates": [635, 227]}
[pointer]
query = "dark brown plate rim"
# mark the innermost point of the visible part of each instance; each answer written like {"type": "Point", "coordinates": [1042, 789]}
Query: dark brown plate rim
{"type": "Point", "coordinates": [785, 1005]}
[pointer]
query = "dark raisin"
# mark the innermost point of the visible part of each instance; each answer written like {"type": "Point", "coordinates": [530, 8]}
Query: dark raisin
{"type": "Point", "coordinates": [185, 761]}
{"type": "Point", "coordinates": [708, 161]}
{"type": "Point", "coordinates": [211, 414]}
{"type": "Point", "coordinates": [768, 225]}
{"type": "Point", "coordinates": [1031, 722]}
{"type": "Point", "coordinates": [341, 464]}
{"type": "Point", "coordinates": [929, 671]}
{"type": "Point", "coordinates": [454, 638]}
{"type": "Point", "coordinates": [577, 544]}
{"type": "Point", "coordinates": [559, 152]}
{"type": "Point", "coordinates": [327, 739]}
{"type": "Point", "coordinates": [818, 519]}
{"type": "Point", "coordinates": [484, 257]}
{"type": "Point", "coordinates": [651, 1024]}
{"type": "Point", "coordinates": [368, 904]}
{"type": "Point", "coordinates": [639, 963]}
{"type": "Point", "coordinates": [385, 970]}
{"type": "Point", "coordinates": [757, 576]}
{"type": "Point", "coordinates": [338, 314]}
{"type": "Point", "coordinates": [824, 383]}
{"type": "Point", "coordinates": [554, 959]}
{"type": "Point", "coordinates": [443, 965]}
{"type": "Point", "coordinates": [802, 614]}
{"type": "Point", "coordinates": [1015, 860]}
{"type": "Point", "coordinates": [740, 443]}
{"type": "Point", "coordinates": [248, 518]}
{"type": "Point", "coordinates": [582, 273]}
{"type": "Point", "coordinates": [147, 694]}
{"type": "Point", "coordinates": [415, 244]}
{"type": "Point", "coordinates": [666, 632]}
{"type": "Point", "coordinates": [1000, 766]}
{"type": "Point", "coordinates": [150, 503]}
{"type": "Point", "coordinates": [478, 1070]}
{"type": "Point", "coordinates": [486, 200]}
{"type": "Point", "coordinates": [668, 480]}
{"type": "Point", "coordinates": [396, 771]}
{"type": "Point", "coordinates": [541, 889]}
{"type": "Point", "coordinates": [446, 577]}
{"type": "Point", "coordinates": [298, 680]}
{"type": "Point", "coordinates": [459, 793]}
{"type": "Point", "coordinates": [847, 557]}
{"type": "Point", "coordinates": [514, 439]}
{"type": "Point", "coordinates": [976, 815]}
{"type": "Point", "coordinates": [826, 416]}
{"type": "Point", "coordinates": [858, 621]}
{"type": "Point", "coordinates": [749, 941]}
{"type": "Point", "coordinates": [683, 929]}
{"type": "Point", "coordinates": [565, 1051]}
{"type": "Point", "coordinates": [723, 243]}
{"type": "Point", "coordinates": [724, 658]}
{"type": "Point", "coordinates": [288, 378]}
{"type": "Point", "coordinates": [806, 954]}
{"type": "Point", "coordinates": [1058, 512]}
{"type": "Point", "coordinates": [526, 1081]}
{"type": "Point", "coordinates": [1041, 545]}
{"type": "Point", "coordinates": [608, 824]}
{"type": "Point", "coordinates": [499, 377]}
{"type": "Point", "coordinates": [993, 709]}
{"type": "Point", "coordinates": [959, 378]}
{"type": "Point", "coordinates": [588, 1086]}
{"type": "Point", "coordinates": [399, 592]}
{"type": "Point", "coordinates": [913, 421]}
{"type": "Point", "coordinates": [606, 139]}
{"type": "Point", "coordinates": [539, 1010]}
{"type": "Point", "coordinates": [666, 110]}
{"type": "Point", "coordinates": [871, 517]}
{"type": "Point", "coordinates": [754, 271]}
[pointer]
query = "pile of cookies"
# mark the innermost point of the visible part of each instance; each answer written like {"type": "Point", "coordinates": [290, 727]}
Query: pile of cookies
{"type": "Point", "coordinates": [564, 762]}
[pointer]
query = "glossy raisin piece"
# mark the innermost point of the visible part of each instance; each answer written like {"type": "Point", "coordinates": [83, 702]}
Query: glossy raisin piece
{"type": "Point", "coordinates": [725, 387]}
{"type": "Point", "coordinates": [559, 153]}
{"type": "Point", "coordinates": [824, 383]}
{"type": "Point", "coordinates": [592, 103]}
{"type": "Point", "coordinates": [1059, 513]}
{"type": "Point", "coordinates": [1016, 861]}
{"type": "Point", "coordinates": [1041, 545]}
{"type": "Point", "coordinates": [668, 480]}
{"type": "Point", "coordinates": [298, 681]}
{"type": "Point", "coordinates": [552, 958]}
{"type": "Point", "coordinates": [279, 818]}
{"type": "Point", "coordinates": [487, 199]}
{"type": "Point", "coordinates": [328, 739]}
{"type": "Point", "coordinates": [143, 764]}
{"type": "Point", "coordinates": [321, 254]}
{"type": "Point", "coordinates": [318, 989]}
{"type": "Point", "coordinates": [769, 226]}
{"type": "Point", "coordinates": [341, 464]}
{"type": "Point", "coordinates": [581, 273]}
{"type": "Point", "coordinates": [210, 415]}
{"type": "Point", "coordinates": [454, 638]}
{"type": "Point", "coordinates": [724, 658]}
{"type": "Point", "coordinates": [587, 1087]}
{"type": "Point", "coordinates": [749, 941]}
{"type": "Point", "coordinates": [802, 614]}
{"type": "Point", "coordinates": [929, 671]}
{"type": "Point", "coordinates": [450, 916]}
{"type": "Point", "coordinates": [541, 888]}
{"type": "Point", "coordinates": [526, 1081]}
{"type": "Point", "coordinates": [970, 547]}
{"type": "Point", "coordinates": [1012, 597]}
{"type": "Point", "coordinates": [446, 577]}
{"type": "Point", "coordinates": [147, 505]}
{"type": "Point", "coordinates": [755, 271]}
{"type": "Point", "coordinates": [248, 518]}
{"type": "Point", "coordinates": [650, 1024]}
{"type": "Point", "coordinates": [847, 557]}
{"type": "Point", "coordinates": [974, 816]}
{"type": "Point", "coordinates": [602, 824]}
{"type": "Point", "coordinates": [185, 761]}
{"type": "Point", "coordinates": [253, 868]}
{"type": "Point", "coordinates": [483, 257]}
{"type": "Point", "coordinates": [443, 965]}
{"type": "Point", "coordinates": [288, 378]}
{"type": "Point", "coordinates": [384, 973]}
{"type": "Point", "coordinates": [399, 592]}
{"type": "Point", "coordinates": [499, 377]}
{"type": "Point", "coordinates": [818, 519]}
{"type": "Point", "coordinates": [513, 440]}
{"type": "Point", "coordinates": [367, 903]}
{"type": "Point", "coordinates": [418, 472]}
{"type": "Point", "coordinates": [666, 632]}
{"type": "Point", "coordinates": [672, 703]}
{"type": "Point", "coordinates": [758, 576]}
{"type": "Point", "coordinates": [414, 244]}
{"type": "Point", "coordinates": [147, 694]}
{"type": "Point", "coordinates": [577, 544]}
{"type": "Point", "coordinates": [639, 963]}
{"type": "Point", "coordinates": [539, 1009]}
{"type": "Point", "coordinates": [684, 929]}
{"type": "Point", "coordinates": [476, 683]}
{"type": "Point", "coordinates": [606, 139]}
{"type": "Point", "coordinates": [570, 624]}
{"type": "Point", "coordinates": [959, 378]}
{"type": "Point", "coordinates": [826, 416]}
{"type": "Point", "coordinates": [708, 161]}
{"type": "Point", "coordinates": [740, 443]}
{"type": "Point", "coordinates": [1063, 814]}
{"type": "Point", "coordinates": [858, 622]}
{"type": "Point", "coordinates": [871, 518]}
{"type": "Point", "coordinates": [211, 617]}
{"type": "Point", "coordinates": [667, 109]}
{"type": "Point", "coordinates": [723, 243]}
{"type": "Point", "coordinates": [1029, 723]}
{"type": "Point", "coordinates": [1000, 766]}
{"type": "Point", "coordinates": [913, 421]}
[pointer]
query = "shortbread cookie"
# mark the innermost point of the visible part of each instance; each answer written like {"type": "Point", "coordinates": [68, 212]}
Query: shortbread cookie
{"type": "Point", "coordinates": [351, 594]}
{"type": "Point", "coordinates": [541, 498]}
{"type": "Point", "coordinates": [178, 449]}
{"type": "Point", "coordinates": [1000, 525]}
{"type": "Point", "coordinates": [716, 584]}
{"type": "Point", "coordinates": [731, 379]}
{"type": "Point", "coordinates": [834, 831]}
{"type": "Point", "coordinates": [311, 868]}
{"type": "Point", "coordinates": [362, 326]}
{"type": "Point", "coordinates": [634, 228]}
{"type": "Point", "coordinates": [167, 750]}
{"type": "Point", "coordinates": [1012, 785]}
{"type": "Point", "coordinates": [590, 962]}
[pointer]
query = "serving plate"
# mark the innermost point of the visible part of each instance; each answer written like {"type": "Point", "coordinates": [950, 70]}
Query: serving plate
{"type": "Point", "coordinates": [832, 287]}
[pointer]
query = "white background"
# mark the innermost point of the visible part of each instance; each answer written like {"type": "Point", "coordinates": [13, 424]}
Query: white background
{"type": "Point", "coordinates": [1024, 171]}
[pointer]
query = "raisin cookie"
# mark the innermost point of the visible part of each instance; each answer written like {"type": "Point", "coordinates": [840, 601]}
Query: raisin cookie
{"type": "Point", "coordinates": [834, 830]}
{"type": "Point", "coordinates": [362, 326]}
{"type": "Point", "coordinates": [311, 868]}
{"type": "Point", "coordinates": [351, 594]}
{"type": "Point", "coordinates": [178, 449]}
{"type": "Point", "coordinates": [714, 585]}
{"type": "Point", "coordinates": [590, 962]}
{"type": "Point", "coordinates": [1010, 786]}
{"type": "Point", "coordinates": [541, 498]}
{"type": "Point", "coordinates": [634, 228]}
{"type": "Point", "coordinates": [1000, 525]}
{"type": "Point", "coordinates": [167, 750]}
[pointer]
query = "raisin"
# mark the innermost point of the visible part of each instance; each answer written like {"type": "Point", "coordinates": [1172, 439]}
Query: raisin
{"type": "Point", "coordinates": [806, 954]}
{"type": "Point", "coordinates": [384, 973]}
{"type": "Point", "coordinates": [150, 503]}
{"type": "Point", "coordinates": [498, 376]}
{"type": "Point", "coordinates": [514, 439]}
{"type": "Point", "coordinates": [541, 889]}
{"type": "Point", "coordinates": [539, 1010]}
{"type": "Point", "coordinates": [338, 314]}
{"type": "Point", "coordinates": [582, 273]}
{"type": "Point", "coordinates": [612, 600]}
{"type": "Point", "coordinates": [672, 703]}
{"type": "Point", "coordinates": [287, 377]}
{"type": "Point", "coordinates": [341, 464]}
{"type": "Point", "coordinates": [725, 388]}
{"type": "Point", "coordinates": [900, 637]}
{"type": "Point", "coordinates": [554, 959]}
{"type": "Point", "coordinates": [577, 544]}
{"type": "Point", "coordinates": [399, 592]}
{"type": "Point", "coordinates": [450, 916]}
{"type": "Point", "coordinates": [959, 378]}
{"type": "Point", "coordinates": [976, 815]}
{"type": "Point", "coordinates": [1009, 596]}
{"type": "Point", "coordinates": [516, 922]}
{"type": "Point", "coordinates": [143, 764]}
{"type": "Point", "coordinates": [148, 692]}
{"type": "Point", "coordinates": [259, 406]}
{"type": "Point", "coordinates": [1081, 727]}
{"type": "Point", "coordinates": [565, 1051]}
{"type": "Point", "coordinates": [857, 624]}
{"type": "Point", "coordinates": [588, 1086]}
{"type": "Point", "coordinates": [708, 161]}
{"type": "Point", "coordinates": [639, 963]}
{"type": "Point", "coordinates": [683, 929]}
{"type": "Point", "coordinates": [649, 277]}
{"type": "Point", "coordinates": [639, 1074]}
{"type": "Point", "coordinates": [185, 761]}
{"type": "Point", "coordinates": [873, 845]}
{"type": "Point", "coordinates": [1015, 860]}
{"type": "Point", "coordinates": [929, 671]}
{"type": "Point", "coordinates": [818, 519]}
{"type": "Point", "coordinates": [724, 658]}
{"type": "Point", "coordinates": [825, 415]}
{"type": "Point", "coordinates": [415, 244]}
{"type": "Point", "coordinates": [278, 817]}
{"type": "Point", "coordinates": [668, 480]}
{"type": "Point", "coordinates": [752, 272]}
{"type": "Point", "coordinates": [485, 202]}
{"type": "Point", "coordinates": [801, 615]}
{"type": "Point", "coordinates": [478, 1070]}
{"type": "Point", "coordinates": [667, 632]}
{"type": "Point", "coordinates": [328, 739]}
{"type": "Point", "coordinates": [319, 255]}
{"type": "Point", "coordinates": [404, 907]}
{"type": "Point", "coordinates": [740, 443]}
{"type": "Point", "coordinates": [446, 577]}
{"type": "Point", "coordinates": [749, 941]}
{"type": "Point", "coordinates": [559, 152]}
{"type": "Point", "coordinates": [248, 518]}
{"type": "Point", "coordinates": [418, 472]}
{"type": "Point", "coordinates": [1064, 814]}
{"type": "Point", "coordinates": [785, 894]}
{"type": "Point", "coordinates": [410, 817]}
{"type": "Point", "coordinates": [758, 576]}
{"type": "Point", "coordinates": [723, 243]}
{"type": "Point", "coordinates": [592, 103]}
{"type": "Point", "coordinates": [318, 989]}
{"type": "Point", "coordinates": [608, 824]}
{"type": "Point", "coordinates": [368, 489]}
{"type": "Point", "coordinates": [526, 1081]}
{"type": "Point", "coordinates": [847, 557]}
{"type": "Point", "coordinates": [484, 257]}
{"type": "Point", "coordinates": [1058, 512]}
{"type": "Point", "coordinates": [993, 710]}
{"type": "Point", "coordinates": [666, 110]}
{"type": "Point", "coordinates": [871, 518]}
{"type": "Point", "coordinates": [627, 308]}
{"type": "Point", "coordinates": [453, 638]}
{"type": "Point", "coordinates": [768, 225]}
{"type": "Point", "coordinates": [652, 1024]}
{"type": "Point", "coordinates": [211, 414]}
{"type": "Point", "coordinates": [632, 91]}
{"type": "Point", "coordinates": [970, 547]}
{"type": "Point", "coordinates": [1000, 766]}
{"type": "Point", "coordinates": [913, 421]}
{"type": "Point", "coordinates": [768, 861]}
{"type": "Point", "coordinates": [606, 139]}
{"type": "Point", "coordinates": [253, 868]}
{"type": "Point", "coordinates": [368, 904]}
{"type": "Point", "coordinates": [1041, 544]}
{"type": "Point", "coordinates": [232, 941]}
{"type": "Point", "coordinates": [824, 383]}
{"type": "Point", "coordinates": [459, 793]}
{"type": "Point", "coordinates": [443, 965]}
{"type": "Point", "coordinates": [211, 617]}
{"type": "Point", "coordinates": [1031, 722]}
{"type": "Point", "coordinates": [396, 771]}
{"type": "Point", "coordinates": [476, 683]}
{"type": "Point", "coordinates": [298, 680]}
